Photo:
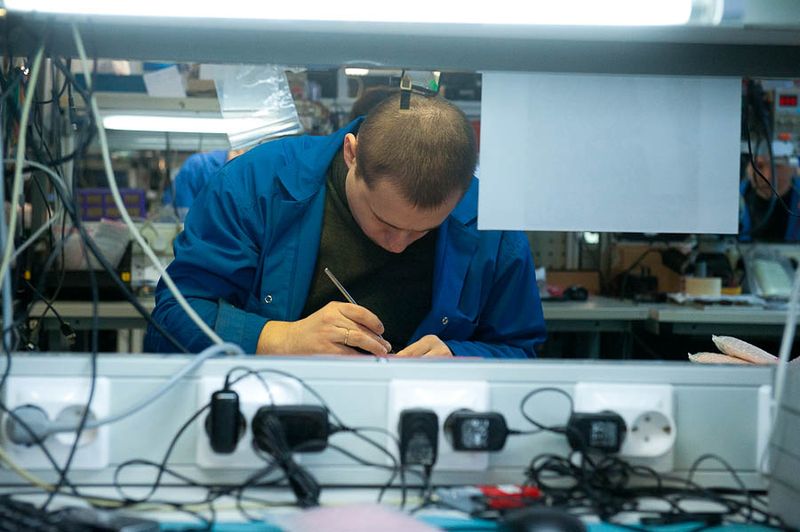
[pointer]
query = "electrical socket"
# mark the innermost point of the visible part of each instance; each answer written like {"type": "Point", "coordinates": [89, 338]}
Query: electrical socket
{"type": "Point", "coordinates": [443, 398]}
{"type": "Point", "coordinates": [252, 396]}
{"type": "Point", "coordinates": [649, 413]}
{"type": "Point", "coordinates": [61, 398]}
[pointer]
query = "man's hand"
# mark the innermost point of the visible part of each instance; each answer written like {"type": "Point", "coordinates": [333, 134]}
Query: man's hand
{"type": "Point", "coordinates": [427, 346]}
{"type": "Point", "coordinates": [336, 328]}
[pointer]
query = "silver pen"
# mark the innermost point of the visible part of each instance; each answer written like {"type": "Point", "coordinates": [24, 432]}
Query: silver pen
{"type": "Point", "coordinates": [341, 288]}
{"type": "Point", "coordinates": [344, 292]}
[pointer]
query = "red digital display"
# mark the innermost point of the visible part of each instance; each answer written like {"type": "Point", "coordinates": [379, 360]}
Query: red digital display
{"type": "Point", "coordinates": [787, 100]}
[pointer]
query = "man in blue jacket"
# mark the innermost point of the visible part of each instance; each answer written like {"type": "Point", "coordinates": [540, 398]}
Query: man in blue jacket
{"type": "Point", "coordinates": [390, 206]}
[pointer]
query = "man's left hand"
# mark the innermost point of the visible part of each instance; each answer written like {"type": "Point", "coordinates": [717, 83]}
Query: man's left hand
{"type": "Point", "coordinates": [427, 347]}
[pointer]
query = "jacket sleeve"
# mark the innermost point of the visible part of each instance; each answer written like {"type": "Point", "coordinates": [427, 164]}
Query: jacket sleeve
{"type": "Point", "coordinates": [511, 323]}
{"type": "Point", "coordinates": [216, 258]}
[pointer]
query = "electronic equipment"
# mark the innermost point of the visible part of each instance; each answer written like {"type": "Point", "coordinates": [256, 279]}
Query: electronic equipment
{"type": "Point", "coordinates": [476, 431]}
{"type": "Point", "coordinates": [418, 431]}
{"type": "Point", "coordinates": [225, 424]}
{"type": "Point", "coordinates": [786, 114]}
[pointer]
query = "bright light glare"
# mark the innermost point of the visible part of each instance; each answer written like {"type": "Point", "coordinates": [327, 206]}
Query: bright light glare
{"type": "Point", "coordinates": [544, 12]}
{"type": "Point", "coordinates": [175, 124]}
{"type": "Point", "coordinates": [356, 71]}
{"type": "Point", "coordinates": [591, 238]}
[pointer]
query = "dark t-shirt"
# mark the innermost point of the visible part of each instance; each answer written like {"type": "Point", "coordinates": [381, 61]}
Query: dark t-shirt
{"type": "Point", "coordinates": [396, 287]}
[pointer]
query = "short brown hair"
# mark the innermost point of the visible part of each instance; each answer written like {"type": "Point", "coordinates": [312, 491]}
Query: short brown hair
{"type": "Point", "coordinates": [370, 98]}
{"type": "Point", "coordinates": [428, 151]}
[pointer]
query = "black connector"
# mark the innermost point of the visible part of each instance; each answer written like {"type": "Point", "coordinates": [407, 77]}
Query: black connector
{"type": "Point", "coordinates": [418, 429]}
{"type": "Point", "coordinates": [69, 333]}
{"type": "Point", "coordinates": [305, 427]}
{"type": "Point", "coordinates": [467, 430]}
{"type": "Point", "coordinates": [225, 424]}
{"type": "Point", "coordinates": [600, 431]}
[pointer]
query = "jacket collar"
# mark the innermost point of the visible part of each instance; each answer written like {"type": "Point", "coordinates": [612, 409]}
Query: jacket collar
{"type": "Point", "coordinates": [308, 159]}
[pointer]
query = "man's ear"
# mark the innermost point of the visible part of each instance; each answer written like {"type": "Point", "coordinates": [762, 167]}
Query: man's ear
{"type": "Point", "coordinates": [350, 147]}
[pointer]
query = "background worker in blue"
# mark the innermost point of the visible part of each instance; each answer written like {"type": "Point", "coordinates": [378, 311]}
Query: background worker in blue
{"type": "Point", "coordinates": [390, 205]}
{"type": "Point", "coordinates": [193, 175]}
{"type": "Point", "coordinates": [761, 215]}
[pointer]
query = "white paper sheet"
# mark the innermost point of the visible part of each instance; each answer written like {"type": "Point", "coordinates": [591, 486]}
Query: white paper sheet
{"type": "Point", "coordinates": [592, 152]}
{"type": "Point", "coordinates": [165, 83]}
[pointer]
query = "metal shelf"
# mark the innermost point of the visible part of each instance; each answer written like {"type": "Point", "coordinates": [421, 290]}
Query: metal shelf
{"type": "Point", "coordinates": [770, 46]}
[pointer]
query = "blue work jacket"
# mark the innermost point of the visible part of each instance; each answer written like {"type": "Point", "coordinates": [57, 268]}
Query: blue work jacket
{"type": "Point", "coordinates": [745, 221]}
{"type": "Point", "coordinates": [249, 247]}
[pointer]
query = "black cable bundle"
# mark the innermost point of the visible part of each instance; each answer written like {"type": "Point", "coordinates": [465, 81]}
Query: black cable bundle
{"type": "Point", "coordinates": [270, 437]}
{"type": "Point", "coordinates": [592, 483]}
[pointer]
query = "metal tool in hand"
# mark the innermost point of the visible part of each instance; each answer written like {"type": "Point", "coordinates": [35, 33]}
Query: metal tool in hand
{"type": "Point", "coordinates": [344, 291]}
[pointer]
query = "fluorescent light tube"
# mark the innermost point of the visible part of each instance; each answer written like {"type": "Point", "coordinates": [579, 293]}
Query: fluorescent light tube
{"type": "Point", "coordinates": [176, 124]}
{"type": "Point", "coordinates": [356, 71]}
{"type": "Point", "coordinates": [513, 12]}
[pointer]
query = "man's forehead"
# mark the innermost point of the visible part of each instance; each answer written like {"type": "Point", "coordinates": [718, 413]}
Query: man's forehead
{"type": "Point", "coordinates": [389, 205]}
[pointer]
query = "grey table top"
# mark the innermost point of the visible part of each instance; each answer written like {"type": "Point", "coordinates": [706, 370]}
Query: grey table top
{"type": "Point", "coordinates": [671, 313]}
{"type": "Point", "coordinates": [597, 308]}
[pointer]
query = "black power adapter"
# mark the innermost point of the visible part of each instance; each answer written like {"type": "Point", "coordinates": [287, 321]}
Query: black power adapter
{"type": "Point", "coordinates": [600, 431]}
{"type": "Point", "coordinates": [468, 430]}
{"type": "Point", "coordinates": [418, 429]}
{"type": "Point", "coordinates": [225, 424]}
{"type": "Point", "coordinates": [305, 427]}
{"type": "Point", "coordinates": [282, 430]}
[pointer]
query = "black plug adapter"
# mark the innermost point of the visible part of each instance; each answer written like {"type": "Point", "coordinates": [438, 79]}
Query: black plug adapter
{"type": "Point", "coordinates": [306, 427]}
{"type": "Point", "coordinates": [225, 424]}
{"type": "Point", "coordinates": [418, 429]}
{"type": "Point", "coordinates": [467, 430]}
{"type": "Point", "coordinates": [600, 431]}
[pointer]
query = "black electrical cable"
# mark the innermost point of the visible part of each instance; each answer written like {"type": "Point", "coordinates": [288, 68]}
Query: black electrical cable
{"type": "Point", "coordinates": [94, 348]}
{"type": "Point", "coordinates": [367, 463]}
{"type": "Point", "coordinates": [253, 481]}
{"type": "Point", "coordinates": [776, 194]}
{"type": "Point", "coordinates": [110, 269]}
{"type": "Point", "coordinates": [66, 329]}
{"type": "Point", "coordinates": [63, 472]}
{"type": "Point", "coordinates": [162, 465]}
{"type": "Point", "coordinates": [248, 371]}
{"type": "Point", "coordinates": [56, 96]}
{"type": "Point", "coordinates": [45, 199]}
{"type": "Point", "coordinates": [602, 486]}
{"type": "Point", "coordinates": [86, 96]}
{"type": "Point", "coordinates": [755, 103]}
{"type": "Point", "coordinates": [93, 382]}
{"type": "Point", "coordinates": [558, 429]}
{"type": "Point", "coordinates": [696, 464]}
{"type": "Point", "coordinates": [271, 437]}
{"type": "Point", "coordinates": [402, 469]}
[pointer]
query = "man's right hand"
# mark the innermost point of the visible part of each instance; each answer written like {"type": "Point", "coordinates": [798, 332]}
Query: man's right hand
{"type": "Point", "coordinates": [336, 328]}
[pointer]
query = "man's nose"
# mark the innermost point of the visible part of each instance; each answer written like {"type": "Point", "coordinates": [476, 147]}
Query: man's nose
{"type": "Point", "coordinates": [398, 241]}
